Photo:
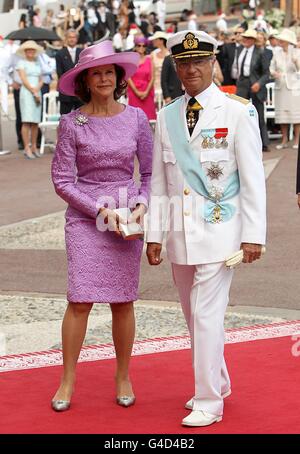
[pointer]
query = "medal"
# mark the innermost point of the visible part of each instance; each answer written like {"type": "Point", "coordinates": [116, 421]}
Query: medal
{"type": "Point", "coordinates": [224, 143]}
{"type": "Point", "coordinates": [216, 217]}
{"type": "Point", "coordinates": [220, 136]}
{"type": "Point", "coordinates": [191, 120]}
{"type": "Point", "coordinates": [208, 138]}
{"type": "Point", "coordinates": [214, 171]}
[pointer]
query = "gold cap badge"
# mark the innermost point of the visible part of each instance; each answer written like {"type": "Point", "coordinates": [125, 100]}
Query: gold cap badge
{"type": "Point", "coordinates": [190, 41]}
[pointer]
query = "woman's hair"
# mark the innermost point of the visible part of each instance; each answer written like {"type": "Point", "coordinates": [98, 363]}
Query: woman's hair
{"type": "Point", "coordinates": [164, 41]}
{"type": "Point", "coordinates": [81, 89]}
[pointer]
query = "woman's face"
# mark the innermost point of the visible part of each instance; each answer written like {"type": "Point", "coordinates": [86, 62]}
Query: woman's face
{"type": "Point", "coordinates": [283, 44]}
{"type": "Point", "coordinates": [102, 80]}
{"type": "Point", "coordinates": [30, 54]}
{"type": "Point", "coordinates": [140, 48]}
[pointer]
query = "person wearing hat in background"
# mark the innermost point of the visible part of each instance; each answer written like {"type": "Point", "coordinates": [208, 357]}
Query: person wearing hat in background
{"type": "Point", "coordinates": [228, 57]}
{"type": "Point", "coordinates": [66, 59]}
{"type": "Point", "coordinates": [285, 68]}
{"type": "Point", "coordinates": [140, 86]}
{"type": "Point", "coordinates": [159, 41]}
{"type": "Point", "coordinates": [253, 74]}
{"type": "Point", "coordinates": [208, 182]}
{"type": "Point", "coordinates": [30, 74]}
{"type": "Point", "coordinates": [273, 42]}
{"type": "Point", "coordinates": [92, 170]}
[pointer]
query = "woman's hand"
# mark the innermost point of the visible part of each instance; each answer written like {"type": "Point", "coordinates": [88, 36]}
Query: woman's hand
{"type": "Point", "coordinates": [138, 214]}
{"type": "Point", "coordinates": [276, 74]}
{"type": "Point", "coordinates": [112, 219]}
{"type": "Point", "coordinates": [37, 98]}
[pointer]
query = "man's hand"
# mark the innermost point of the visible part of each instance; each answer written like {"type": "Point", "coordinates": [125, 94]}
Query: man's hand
{"type": "Point", "coordinates": [251, 252]}
{"type": "Point", "coordinates": [153, 253]}
{"type": "Point", "coordinates": [255, 87]}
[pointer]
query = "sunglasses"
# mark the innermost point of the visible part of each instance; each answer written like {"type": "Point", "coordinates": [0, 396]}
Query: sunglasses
{"type": "Point", "coordinates": [141, 45]}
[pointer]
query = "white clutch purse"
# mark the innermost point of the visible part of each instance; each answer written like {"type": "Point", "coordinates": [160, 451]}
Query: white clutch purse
{"type": "Point", "coordinates": [132, 231]}
{"type": "Point", "coordinates": [237, 258]}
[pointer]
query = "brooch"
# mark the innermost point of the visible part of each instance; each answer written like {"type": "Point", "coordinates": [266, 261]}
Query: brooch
{"type": "Point", "coordinates": [216, 192]}
{"type": "Point", "coordinates": [81, 120]}
{"type": "Point", "coordinates": [214, 171]}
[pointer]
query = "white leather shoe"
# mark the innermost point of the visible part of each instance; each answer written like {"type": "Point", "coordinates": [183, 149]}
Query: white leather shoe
{"type": "Point", "coordinates": [189, 404]}
{"type": "Point", "coordinates": [200, 418]}
{"type": "Point", "coordinates": [281, 146]}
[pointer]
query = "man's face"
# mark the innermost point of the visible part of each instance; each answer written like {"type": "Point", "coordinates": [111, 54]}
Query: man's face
{"type": "Point", "coordinates": [238, 35]}
{"type": "Point", "coordinates": [71, 39]}
{"type": "Point", "coordinates": [248, 42]}
{"type": "Point", "coordinates": [195, 73]}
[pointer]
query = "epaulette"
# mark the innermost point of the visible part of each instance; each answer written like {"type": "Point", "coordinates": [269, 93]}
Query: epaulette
{"type": "Point", "coordinates": [171, 102]}
{"type": "Point", "coordinates": [238, 98]}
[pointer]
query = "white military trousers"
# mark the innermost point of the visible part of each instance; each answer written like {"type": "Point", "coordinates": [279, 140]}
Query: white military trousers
{"type": "Point", "coordinates": [204, 295]}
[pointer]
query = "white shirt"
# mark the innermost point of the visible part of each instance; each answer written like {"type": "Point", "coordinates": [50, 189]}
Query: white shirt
{"type": "Point", "coordinates": [234, 69]}
{"type": "Point", "coordinates": [72, 52]}
{"type": "Point", "coordinates": [203, 97]}
{"type": "Point", "coordinates": [247, 61]}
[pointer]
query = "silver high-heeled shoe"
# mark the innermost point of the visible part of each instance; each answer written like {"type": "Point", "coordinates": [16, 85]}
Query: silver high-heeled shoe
{"type": "Point", "coordinates": [126, 401]}
{"type": "Point", "coordinates": [60, 405]}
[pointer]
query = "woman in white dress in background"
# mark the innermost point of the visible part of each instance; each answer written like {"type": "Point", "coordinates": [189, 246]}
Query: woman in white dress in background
{"type": "Point", "coordinates": [285, 68]}
{"type": "Point", "coordinates": [159, 41]}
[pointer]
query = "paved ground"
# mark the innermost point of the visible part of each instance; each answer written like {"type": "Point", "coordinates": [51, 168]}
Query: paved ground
{"type": "Point", "coordinates": [33, 263]}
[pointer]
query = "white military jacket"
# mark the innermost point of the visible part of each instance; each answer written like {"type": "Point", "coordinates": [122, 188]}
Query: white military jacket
{"type": "Point", "coordinates": [176, 209]}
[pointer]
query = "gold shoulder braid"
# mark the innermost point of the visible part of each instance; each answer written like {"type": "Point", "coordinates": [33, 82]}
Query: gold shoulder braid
{"type": "Point", "coordinates": [238, 98]}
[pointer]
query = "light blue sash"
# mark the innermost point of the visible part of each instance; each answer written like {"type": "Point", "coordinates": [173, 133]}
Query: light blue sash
{"type": "Point", "coordinates": [193, 171]}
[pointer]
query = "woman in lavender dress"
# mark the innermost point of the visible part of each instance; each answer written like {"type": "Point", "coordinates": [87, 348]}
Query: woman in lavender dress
{"type": "Point", "coordinates": [92, 171]}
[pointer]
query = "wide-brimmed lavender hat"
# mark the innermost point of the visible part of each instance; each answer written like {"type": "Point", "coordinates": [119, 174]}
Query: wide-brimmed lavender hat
{"type": "Point", "coordinates": [96, 55]}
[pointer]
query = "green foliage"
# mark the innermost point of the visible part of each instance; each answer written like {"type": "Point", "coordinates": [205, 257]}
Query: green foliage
{"type": "Point", "coordinates": [275, 17]}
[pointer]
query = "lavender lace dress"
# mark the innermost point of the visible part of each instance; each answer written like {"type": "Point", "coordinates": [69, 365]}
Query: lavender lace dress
{"type": "Point", "coordinates": [94, 159]}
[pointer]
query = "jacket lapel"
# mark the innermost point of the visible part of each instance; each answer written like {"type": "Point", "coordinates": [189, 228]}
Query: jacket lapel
{"type": "Point", "coordinates": [253, 59]}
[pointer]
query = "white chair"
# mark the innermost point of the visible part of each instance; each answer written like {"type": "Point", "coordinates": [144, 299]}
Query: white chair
{"type": "Point", "coordinates": [51, 116]}
{"type": "Point", "coordinates": [269, 110]}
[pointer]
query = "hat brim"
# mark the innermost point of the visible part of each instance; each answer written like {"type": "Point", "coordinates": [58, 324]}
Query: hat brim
{"type": "Point", "coordinates": [127, 60]}
{"type": "Point", "coordinates": [195, 53]}
{"type": "Point", "coordinates": [21, 52]}
{"type": "Point", "coordinates": [287, 40]}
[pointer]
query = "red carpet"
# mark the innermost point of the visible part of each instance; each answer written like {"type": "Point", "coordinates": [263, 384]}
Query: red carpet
{"type": "Point", "coordinates": [265, 394]}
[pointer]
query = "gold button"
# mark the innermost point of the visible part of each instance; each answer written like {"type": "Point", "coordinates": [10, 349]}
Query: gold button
{"type": "Point", "coordinates": [186, 213]}
{"type": "Point", "coordinates": [186, 191]}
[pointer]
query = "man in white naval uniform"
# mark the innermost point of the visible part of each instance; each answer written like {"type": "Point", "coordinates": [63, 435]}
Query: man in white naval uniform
{"type": "Point", "coordinates": [208, 193]}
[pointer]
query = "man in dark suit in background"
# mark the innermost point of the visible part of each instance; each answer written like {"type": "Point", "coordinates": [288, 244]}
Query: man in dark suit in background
{"type": "Point", "coordinates": [170, 83]}
{"type": "Point", "coordinates": [253, 74]}
{"type": "Point", "coordinates": [106, 21]}
{"type": "Point", "coordinates": [228, 58]}
{"type": "Point", "coordinates": [66, 58]}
